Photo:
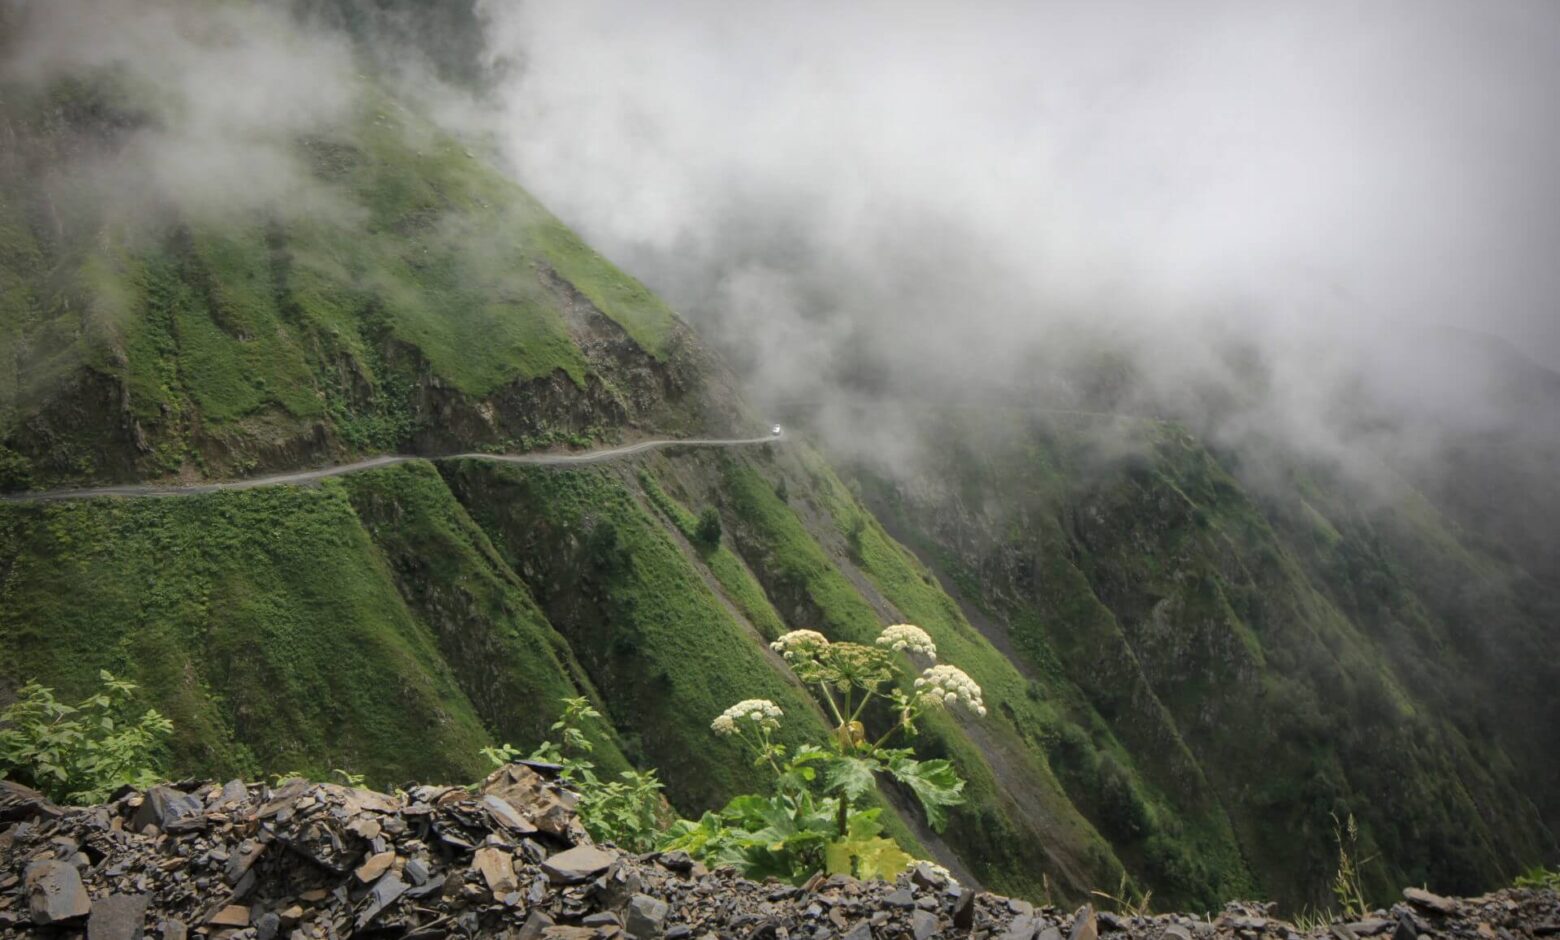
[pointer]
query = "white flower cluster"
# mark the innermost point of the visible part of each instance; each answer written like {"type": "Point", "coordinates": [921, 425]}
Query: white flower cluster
{"type": "Point", "coordinates": [799, 643]}
{"type": "Point", "coordinates": [945, 685]}
{"type": "Point", "coordinates": [763, 713]}
{"type": "Point", "coordinates": [907, 638]}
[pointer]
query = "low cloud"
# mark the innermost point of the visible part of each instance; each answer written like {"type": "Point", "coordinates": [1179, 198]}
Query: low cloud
{"type": "Point", "coordinates": [1299, 197]}
{"type": "Point", "coordinates": [221, 94]}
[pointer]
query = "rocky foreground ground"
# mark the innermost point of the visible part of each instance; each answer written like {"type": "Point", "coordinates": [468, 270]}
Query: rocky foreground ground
{"type": "Point", "coordinates": [509, 859]}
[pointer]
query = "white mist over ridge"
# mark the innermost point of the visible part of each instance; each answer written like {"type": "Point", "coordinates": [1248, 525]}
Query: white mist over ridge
{"type": "Point", "coordinates": [948, 191]}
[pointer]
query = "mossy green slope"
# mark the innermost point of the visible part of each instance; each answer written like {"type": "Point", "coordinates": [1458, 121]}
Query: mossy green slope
{"type": "Point", "coordinates": [264, 624]}
{"type": "Point", "coordinates": [417, 304]}
{"type": "Point", "coordinates": [366, 625]}
{"type": "Point", "coordinates": [728, 568]}
{"type": "Point", "coordinates": [649, 633]}
{"type": "Point", "coordinates": [512, 665]}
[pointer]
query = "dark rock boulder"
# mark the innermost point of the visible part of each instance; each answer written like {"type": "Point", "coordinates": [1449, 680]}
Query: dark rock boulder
{"type": "Point", "coordinates": [55, 893]}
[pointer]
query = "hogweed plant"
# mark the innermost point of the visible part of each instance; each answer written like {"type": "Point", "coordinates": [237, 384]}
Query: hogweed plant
{"type": "Point", "coordinates": [814, 820]}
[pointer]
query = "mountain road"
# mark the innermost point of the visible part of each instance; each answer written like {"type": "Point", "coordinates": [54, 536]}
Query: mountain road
{"type": "Point", "coordinates": [304, 477]}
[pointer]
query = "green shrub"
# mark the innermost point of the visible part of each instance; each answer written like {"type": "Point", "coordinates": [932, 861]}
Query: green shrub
{"type": "Point", "coordinates": [628, 812]}
{"type": "Point", "coordinates": [1123, 814]}
{"type": "Point", "coordinates": [1540, 878]}
{"type": "Point", "coordinates": [82, 753]}
{"type": "Point", "coordinates": [708, 531]}
{"type": "Point", "coordinates": [15, 471]}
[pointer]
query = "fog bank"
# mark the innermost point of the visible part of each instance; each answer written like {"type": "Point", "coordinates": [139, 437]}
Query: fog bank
{"type": "Point", "coordinates": [935, 194]}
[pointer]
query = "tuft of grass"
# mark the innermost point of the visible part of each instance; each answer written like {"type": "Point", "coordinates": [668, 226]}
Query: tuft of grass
{"type": "Point", "coordinates": [1128, 900]}
{"type": "Point", "coordinates": [1348, 886]}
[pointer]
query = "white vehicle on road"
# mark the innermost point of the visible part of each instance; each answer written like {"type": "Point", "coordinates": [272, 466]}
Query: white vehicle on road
{"type": "Point", "coordinates": [775, 431]}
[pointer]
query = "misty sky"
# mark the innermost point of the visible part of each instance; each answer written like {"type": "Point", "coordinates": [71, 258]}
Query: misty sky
{"type": "Point", "coordinates": [967, 174]}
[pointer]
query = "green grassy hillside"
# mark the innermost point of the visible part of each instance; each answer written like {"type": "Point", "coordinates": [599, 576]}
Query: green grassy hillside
{"type": "Point", "coordinates": [1189, 675]}
{"type": "Point", "coordinates": [265, 624]}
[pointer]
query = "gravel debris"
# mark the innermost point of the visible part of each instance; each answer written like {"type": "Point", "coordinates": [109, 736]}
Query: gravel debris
{"type": "Point", "coordinates": [509, 859]}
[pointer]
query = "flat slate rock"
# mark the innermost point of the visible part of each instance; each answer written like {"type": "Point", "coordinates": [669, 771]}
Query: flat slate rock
{"type": "Point", "coordinates": [1424, 900]}
{"type": "Point", "coordinates": [169, 809]}
{"type": "Point", "coordinates": [581, 863]}
{"type": "Point", "coordinates": [118, 917]}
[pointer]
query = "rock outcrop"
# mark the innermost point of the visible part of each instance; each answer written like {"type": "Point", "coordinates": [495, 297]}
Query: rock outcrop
{"type": "Point", "coordinates": [508, 858]}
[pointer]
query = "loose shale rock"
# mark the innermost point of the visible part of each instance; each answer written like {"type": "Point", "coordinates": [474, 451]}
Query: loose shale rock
{"type": "Point", "coordinates": [508, 859]}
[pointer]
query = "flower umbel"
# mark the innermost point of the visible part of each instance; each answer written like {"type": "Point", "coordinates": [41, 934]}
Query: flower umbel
{"type": "Point", "coordinates": [907, 638]}
{"type": "Point", "coordinates": [799, 643]}
{"type": "Point", "coordinates": [758, 713]}
{"type": "Point", "coordinates": [945, 685]}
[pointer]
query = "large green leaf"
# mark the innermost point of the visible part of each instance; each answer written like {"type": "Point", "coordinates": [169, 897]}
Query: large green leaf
{"type": "Point", "coordinates": [935, 783]}
{"type": "Point", "coordinates": [864, 853]}
{"type": "Point", "coordinates": [853, 776]}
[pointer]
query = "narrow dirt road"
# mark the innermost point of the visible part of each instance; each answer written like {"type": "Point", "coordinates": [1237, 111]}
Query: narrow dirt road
{"type": "Point", "coordinates": [312, 476]}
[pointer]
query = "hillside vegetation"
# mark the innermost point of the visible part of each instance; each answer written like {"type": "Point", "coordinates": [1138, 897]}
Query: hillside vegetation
{"type": "Point", "coordinates": [1187, 678]}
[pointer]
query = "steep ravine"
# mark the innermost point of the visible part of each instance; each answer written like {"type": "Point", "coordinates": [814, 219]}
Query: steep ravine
{"type": "Point", "coordinates": [1225, 653]}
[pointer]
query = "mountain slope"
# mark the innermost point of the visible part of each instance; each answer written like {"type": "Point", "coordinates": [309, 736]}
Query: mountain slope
{"type": "Point", "coordinates": [1270, 661]}
{"type": "Point", "coordinates": [1187, 674]}
{"type": "Point", "coordinates": [425, 303]}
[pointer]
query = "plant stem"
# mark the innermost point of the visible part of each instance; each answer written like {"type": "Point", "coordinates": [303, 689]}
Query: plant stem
{"type": "Point", "coordinates": [905, 718]}
{"type": "Point", "coordinates": [862, 707]}
{"type": "Point", "coordinates": [769, 755]}
{"type": "Point", "coordinates": [828, 697]}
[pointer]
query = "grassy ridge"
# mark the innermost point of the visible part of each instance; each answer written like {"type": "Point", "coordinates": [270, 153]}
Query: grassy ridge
{"type": "Point", "coordinates": [735, 579]}
{"type": "Point", "coordinates": [641, 314]}
{"type": "Point", "coordinates": [243, 339]}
